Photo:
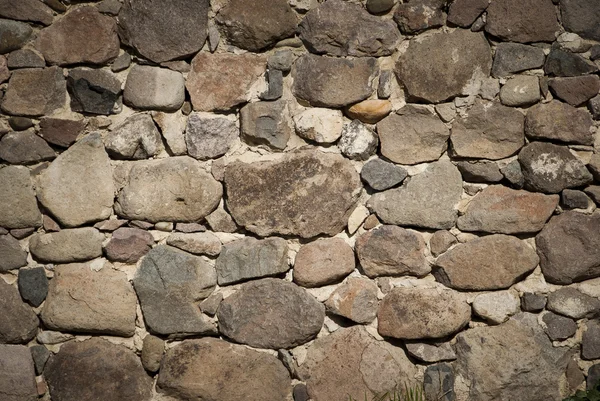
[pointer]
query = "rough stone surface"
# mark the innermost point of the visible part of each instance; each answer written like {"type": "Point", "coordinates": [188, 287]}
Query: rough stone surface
{"type": "Point", "coordinates": [522, 21]}
{"type": "Point", "coordinates": [496, 307]}
{"type": "Point", "coordinates": [480, 171]}
{"type": "Point", "coordinates": [557, 121]}
{"type": "Point", "coordinates": [152, 352]}
{"type": "Point", "coordinates": [26, 10]}
{"type": "Point", "coordinates": [209, 136]}
{"type": "Point", "coordinates": [25, 58]}
{"type": "Point", "coordinates": [500, 261]}
{"type": "Point", "coordinates": [33, 285]}
{"type": "Point", "coordinates": [128, 245]}
{"type": "Point", "coordinates": [520, 91]}
{"type": "Point", "coordinates": [418, 15]}
{"type": "Point", "coordinates": [35, 91]}
{"type": "Point", "coordinates": [581, 17]}
{"type": "Point", "coordinates": [438, 382]}
{"type": "Point", "coordinates": [515, 57]}
{"type": "Point", "coordinates": [60, 132]}
{"type": "Point", "coordinates": [24, 147]}
{"type": "Point", "coordinates": [572, 303]}
{"type": "Point", "coordinates": [319, 125]}
{"type": "Point", "coordinates": [562, 63]}
{"type": "Point", "coordinates": [464, 12]}
{"type": "Point", "coordinates": [558, 327]}
{"type": "Point", "coordinates": [221, 221]}
{"type": "Point", "coordinates": [324, 261]}
{"type": "Point", "coordinates": [18, 207]}
{"type": "Point", "coordinates": [270, 313]}
{"type": "Point", "coordinates": [575, 90]}
{"type": "Point", "coordinates": [266, 123]}
{"type": "Point", "coordinates": [14, 35]}
{"type": "Point", "coordinates": [382, 175]}
{"type": "Point", "coordinates": [154, 88]}
{"type": "Point", "coordinates": [18, 322]}
{"type": "Point", "coordinates": [17, 374]}
{"type": "Point", "coordinates": [590, 344]}
{"type": "Point", "coordinates": [441, 241]}
{"type": "Point", "coordinates": [358, 142]}
{"type": "Point", "coordinates": [531, 302]}
{"type": "Point", "coordinates": [93, 91]}
{"type": "Point", "coordinates": [172, 127]}
{"type": "Point", "coordinates": [197, 243]}
{"type": "Point", "coordinates": [431, 352]}
{"type": "Point", "coordinates": [136, 138]}
{"type": "Point", "coordinates": [66, 246]}
{"type": "Point", "coordinates": [12, 256]}
{"type": "Point", "coordinates": [356, 300]}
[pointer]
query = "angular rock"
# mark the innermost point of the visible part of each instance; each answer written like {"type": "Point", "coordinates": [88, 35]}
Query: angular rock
{"type": "Point", "coordinates": [40, 355]}
{"type": "Point", "coordinates": [35, 92]}
{"type": "Point", "coordinates": [322, 262]}
{"type": "Point", "coordinates": [18, 206]}
{"type": "Point", "coordinates": [24, 147]}
{"type": "Point", "coordinates": [561, 63]}
{"type": "Point", "coordinates": [319, 125]}
{"type": "Point", "coordinates": [172, 189]}
{"type": "Point", "coordinates": [580, 17]}
{"type": "Point", "coordinates": [221, 221]}
{"type": "Point", "coordinates": [498, 209]}
{"type": "Point", "coordinates": [356, 300]}
{"type": "Point", "coordinates": [339, 28]}
{"type": "Point", "coordinates": [433, 313]}
{"type": "Point", "coordinates": [481, 172]}
{"type": "Point", "coordinates": [266, 123]}
{"type": "Point", "coordinates": [60, 132]}
{"type": "Point", "coordinates": [429, 353]}
{"type": "Point", "coordinates": [93, 91]}
{"type": "Point", "coordinates": [438, 382]}
{"type": "Point", "coordinates": [25, 58]}
{"type": "Point", "coordinates": [557, 121]}
{"type": "Point", "coordinates": [531, 302]}
{"type": "Point", "coordinates": [464, 12]}
{"type": "Point", "coordinates": [558, 327]}
{"type": "Point", "coordinates": [381, 175]}
{"type": "Point", "coordinates": [418, 15]}
{"type": "Point", "coordinates": [17, 374]}
{"type": "Point", "coordinates": [412, 138]}
{"type": "Point", "coordinates": [271, 313]}
{"type": "Point", "coordinates": [26, 10]}
{"type": "Point", "coordinates": [197, 243]}
{"type": "Point", "coordinates": [210, 136]}
{"type": "Point", "coordinates": [18, 322]}
{"type": "Point", "coordinates": [454, 59]}
{"type": "Point", "coordinates": [228, 371]}
{"type": "Point", "coordinates": [590, 344]}
{"type": "Point", "coordinates": [299, 202]}
{"type": "Point", "coordinates": [515, 57]}
{"type": "Point", "coordinates": [572, 303]}
{"type": "Point", "coordinates": [210, 305]}
{"type": "Point", "coordinates": [496, 307]}
{"type": "Point", "coordinates": [12, 256]}
{"type": "Point", "coordinates": [520, 91]}
{"type": "Point", "coordinates": [427, 200]}
{"type": "Point", "coordinates": [152, 352]}
{"type": "Point", "coordinates": [128, 245]}
{"type": "Point", "coordinates": [66, 246]}
{"type": "Point", "coordinates": [136, 138]}
{"type": "Point", "coordinates": [522, 21]}
{"type": "Point", "coordinates": [172, 127]}
{"type": "Point", "coordinates": [121, 63]}
{"type": "Point", "coordinates": [333, 82]}
{"type": "Point", "coordinates": [499, 260]}
{"type": "Point", "coordinates": [275, 85]}
{"type": "Point", "coordinates": [14, 35]}
{"type": "Point", "coordinates": [575, 90]}
{"type": "Point", "coordinates": [154, 88]}
{"type": "Point", "coordinates": [358, 142]}
{"type": "Point", "coordinates": [164, 30]}
{"type": "Point", "coordinates": [33, 285]}
{"type": "Point", "coordinates": [441, 241]}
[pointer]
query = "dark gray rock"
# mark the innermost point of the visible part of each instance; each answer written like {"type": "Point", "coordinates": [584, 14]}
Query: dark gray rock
{"type": "Point", "coordinates": [575, 90]}
{"type": "Point", "coordinates": [581, 17]}
{"type": "Point", "coordinates": [573, 199]}
{"type": "Point", "coordinates": [18, 322]}
{"type": "Point", "coordinates": [136, 138]}
{"type": "Point", "coordinates": [281, 60]}
{"type": "Point", "coordinates": [25, 147]}
{"type": "Point", "coordinates": [522, 21]}
{"type": "Point", "coordinates": [593, 377]}
{"type": "Point", "coordinates": [40, 355]}
{"type": "Point", "coordinates": [418, 15]}
{"type": "Point", "coordinates": [60, 132]}
{"type": "Point", "coordinates": [26, 10]}
{"type": "Point", "coordinates": [121, 63]}
{"type": "Point", "coordinates": [111, 7]}
{"type": "Point", "coordinates": [12, 256]}
{"type": "Point", "coordinates": [17, 374]}
{"type": "Point", "coordinates": [482, 171]}
{"type": "Point", "coordinates": [557, 121]}
{"type": "Point", "coordinates": [438, 382]}
{"type": "Point", "coordinates": [128, 245]}
{"type": "Point", "coordinates": [209, 137]}
{"type": "Point", "coordinates": [515, 57]}
{"type": "Point", "coordinates": [384, 88]}
{"type": "Point", "coordinates": [531, 302]}
{"type": "Point", "coordinates": [33, 285]}
{"type": "Point", "coordinates": [464, 12]}
{"type": "Point", "coordinates": [382, 175]}
{"type": "Point", "coordinates": [275, 85]}
{"type": "Point", "coordinates": [25, 58]}
{"type": "Point", "coordinates": [266, 123]}
{"type": "Point", "coordinates": [300, 392]}
{"type": "Point", "coordinates": [513, 174]}
{"type": "Point", "coordinates": [559, 327]}
{"type": "Point", "coordinates": [13, 35]}
{"type": "Point", "coordinates": [573, 303]}
{"type": "Point", "coordinates": [93, 91]}
{"type": "Point", "coordinates": [590, 344]}
{"type": "Point", "coordinates": [593, 191]}
{"type": "Point", "coordinates": [562, 63]}
{"type": "Point", "coordinates": [20, 123]}
{"type": "Point", "coordinates": [35, 91]}
{"type": "Point", "coordinates": [431, 351]}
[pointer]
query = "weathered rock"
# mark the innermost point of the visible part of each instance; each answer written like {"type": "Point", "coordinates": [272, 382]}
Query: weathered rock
{"type": "Point", "coordinates": [593, 377]}
{"type": "Point", "coordinates": [17, 374]}
{"type": "Point", "coordinates": [531, 302]}
{"type": "Point", "coordinates": [593, 166]}
{"type": "Point", "coordinates": [197, 243]}
{"type": "Point", "coordinates": [323, 262]}
{"type": "Point", "coordinates": [499, 260]}
{"type": "Point", "coordinates": [333, 82]}
{"type": "Point", "coordinates": [339, 28]}
{"type": "Point", "coordinates": [580, 17]}
{"type": "Point", "coordinates": [271, 313]}
{"type": "Point", "coordinates": [172, 127]}
{"type": "Point", "coordinates": [82, 370]}
{"type": "Point", "coordinates": [274, 84]}
{"type": "Point", "coordinates": [454, 59]}
{"type": "Point", "coordinates": [490, 131]}
{"type": "Point", "coordinates": [251, 258]}
{"type": "Point", "coordinates": [557, 121]}
{"type": "Point", "coordinates": [121, 63]}
{"type": "Point", "coordinates": [496, 307]}
{"type": "Point", "coordinates": [382, 175]}
{"type": "Point", "coordinates": [128, 245]}
{"type": "Point", "coordinates": [590, 344]}
{"type": "Point", "coordinates": [96, 41]}
{"type": "Point", "coordinates": [298, 204]}
{"type": "Point", "coordinates": [412, 138]}
{"type": "Point", "coordinates": [479, 171]}
{"type": "Point", "coordinates": [35, 92]}
{"type": "Point", "coordinates": [172, 189]}
{"type": "Point", "coordinates": [93, 91]}
{"type": "Point", "coordinates": [18, 207]}
{"type": "Point", "coordinates": [18, 322]}
{"type": "Point", "coordinates": [40, 355]}
{"type": "Point", "coordinates": [464, 12]}
{"type": "Point", "coordinates": [26, 10]}
{"type": "Point", "coordinates": [520, 91]}
{"type": "Point", "coordinates": [210, 136]}
{"type": "Point", "coordinates": [14, 35]}
{"type": "Point", "coordinates": [433, 313]}
{"type": "Point", "coordinates": [572, 199]}
{"type": "Point", "coordinates": [594, 192]}
{"type": "Point", "coordinates": [210, 305]}
{"type": "Point", "coordinates": [228, 371]}
{"type": "Point", "coordinates": [136, 138]}
{"type": "Point", "coordinates": [87, 301]}
{"type": "Point", "coordinates": [559, 327]}
{"type": "Point", "coordinates": [319, 125]}
{"type": "Point", "coordinates": [21, 233]}
{"type": "Point", "coordinates": [66, 246]}
{"type": "Point", "coordinates": [522, 21]}
{"type": "Point", "coordinates": [498, 209]}
{"type": "Point", "coordinates": [356, 300]}
{"type": "Point", "coordinates": [154, 88]}
{"type": "Point", "coordinates": [427, 200]}
{"type": "Point", "coordinates": [300, 392]}
{"type": "Point", "coordinates": [515, 57]}
{"type": "Point", "coordinates": [20, 123]}
{"type": "Point", "coordinates": [418, 15]}
{"type": "Point", "coordinates": [33, 285]}
{"type": "Point", "coordinates": [431, 352]}
{"type": "Point", "coordinates": [12, 256]}
{"type": "Point", "coordinates": [223, 81]}
{"type": "Point", "coordinates": [152, 352]}
{"type": "Point", "coordinates": [221, 221]}
{"type": "Point", "coordinates": [60, 132]}
{"type": "Point", "coordinates": [24, 147]}
{"type": "Point", "coordinates": [358, 142]}
{"type": "Point", "coordinates": [164, 30]}
{"type": "Point", "coordinates": [561, 63]}
{"type": "Point", "coordinates": [25, 58]}
{"type": "Point", "coordinates": [281, 60]}
{"type": "Point", "coordinates": [392, 251]}
{"type": "Point", "coordinates": [53, 337]}
{"type": "Point", "coordinates": [551, 168]}
{"type": "Point", "coordinates": [441, 241]}
{"type": "Point", "coordinates": [573, 303]}
{"type": "Point", "coordinates": [266, 123]}
{"type": "Point", "coordinates": [169, 283]}
{"type": "Point", "coordinates": [438, 382]}
{"type": "Point", "coordinates": [379, 6]}
{"type": "Point", "coordinates": [369, 111]}
{"type": "Point", "coordinates": [575, 90]}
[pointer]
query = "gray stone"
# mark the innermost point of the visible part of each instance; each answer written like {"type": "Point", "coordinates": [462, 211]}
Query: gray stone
{"type": "Point", "coordinates": [438, 383]}
{"type": "Point", "coordinates": [33, 285]}
{"type": "Point", "coordinates": [322, 262]}
{"type": "Point", "coordinates": [13, 35]}
{"type": "Point", "coordinates": [18, 206]}
{"type": "Point", "coordinates": [496, 307]}
{"type": "Point", "coordinates": [441, 241]}
{"type": "Point", "coordinates": [593, 377]}
{"type": "Point", "coordinates": [25, 147]}
{"type": "Point", "coordinates": [590, 344]}
{"type": "Point", "coordinates": [199, 243]}
{"type": "Point", "coordinates": [93, 91]}
{"type": "Point", "coordinates": [575, 90]}
{"type": "Point", "coordinates": [66, 246]}
{"type": "Point", "coordinates": [358, 142]}
{"type": "Point", "coordinates": [17, 374]}
{"type": "Point", "coordinates": [274, 84]}
{"type": "Point", "coordinates": [573, 199]}
{"type": "Point", "coordinates": [384, 87]}
{"type": "Point", "coordinates": [522, 21]}
{"type": "Point", "coordinates": [594, 192]}
{"type": "Point", "coordinates": [572, 303]}
{"type": "Point", "coordinates": [266, 123]}
{"type": "Point", "coordinates": [21, 233]}
{"type": "Point", "coordinates": [464, 12]}
{"type": "Point", "coordinates": [221, 221]}
{"type": "Point", "coordinates": [152, 352]}
{"type": "Point", "coordinates": [520, 91]}
{"type": "Point", "coordinates": [26, 10]}
{"type": "Point", "coordinates": [40, 355]}
{"type": "Point", "coordinates": [382, 175]}
{"type": "Point", "coordinates": [214, 37]}
{"type": "Point", "coordinates": [301, 392]}
{"type": "Point", "coordinates": [418, 15]}
{"type": "Point", "coordinates": [558, 327]}
{"type": "Point", "coordinates": [581, 17]}
{"type": "Point", "coordinates": [319, 125]}
{"type": "Point", "coordinates": [561, 63]}
{"type": "Point", "coordinates": [515, 57]}
{"type": "Point", "coordinates": [128, 245]}
{"type": "Point", "coordinates": [479, 171]}
{"type": "Point", "coordinates": [136, 138]}
{"type": "Point", "coordinates": [431, 352]}
{"type": "Point", "coordinates": [356, 299]}
{"type": "Point", "coordinates": [513, 174]}
{"type": "Point", "coordinates": [531, 302]}
{"type": "Point", "coordinates": [20, 123]}
{"type": "Point", "coordinates": [121, 63]}
{"type": "Point", "coordinates": [557, 121]}
{"type": "Point", "coordinates": [18, 322]}
{"type": "Point", "coordinates": [281, 60]}
{"type": "Point", "coordinates": [12, 256]}
{"type": "Point", "coordinates": [172, 127]}
{"type": "Point", "coordinates": [25, 58]}
{"type": "Point", "coordinates": [594, 166]}
{"type": "Point", "coordinates": [34, 92]}
{"type": "Point", "coordinates": [60, 132]}
{"type": "Point", "coordinates": [154, 88]}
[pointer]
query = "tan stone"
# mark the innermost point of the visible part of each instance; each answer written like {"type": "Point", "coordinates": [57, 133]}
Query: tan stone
{"type": "Point", "coordinates": [18, 206]}
{"type": "Point", "coordinates": [323, 262]}
{"type": "Point", "coordinates": [356, 300]}
{"type": "Point", "coordinates": [370, 111]}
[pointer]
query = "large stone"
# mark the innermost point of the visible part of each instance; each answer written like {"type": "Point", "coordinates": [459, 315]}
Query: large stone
{"type": "Point", "coordinates": [340, 28]}
{"type": "Point", "coordinates": [455, 59]}
{"type": "Point", "coordinates": [136, 138]}
{"type": "Point", "coordinates": [18, 322]}
{"type": "Point", "coordinates": [569, 248]}
{"type": "Point", "coordinates": [24, 147]}
{"type": "Point", "coordinates": [356, 300]}
{"type": "Point", "coordinates": [172, 189]}
{"type": "Point", "coordinates": [324, 261]}
{"type": "Point", "coordinates": [551, 168]}
{"type": "Point", "coordinates": [12, 256]}
{"type": "Point", "coordinates": [427, 200]}
{"type": "Point", "coordinates": [18, 206]}
{"type": "Point", "coordinates": [93, 91]}
{"type": "Point", "coordinates": [254, 26]}
{"type": "Point", "coordinates": [493, 262]}
{"type": "Point", "coordinates": [489, 131]}
{"type": "Point", "coordinates": [154, 88]}
{"type": "Point", "coordinates": [515, 57]}
{"type": "Point", "coordinates": [575, 90]}
{"type": "Point", "coordinates": [169, 283]}
{"type": "Point", "coordinates": [498, 209]}
{"type": "Point", "coordinates": [333, 82]}
{"type": "Point", "coordinates": [271, 313]}
{"type": "Point", "coordinates": [17, 374]}
{"type": "Point", "coordinates": [522, 21]}
{"type": "Point", "coordinates": [304, 193]}
{"type": "Point", "coordinates": [60, 132]}
{"type": "Point", "coordinates": [418, 313]}
{"type": "Point", "coordinates": [197, 243]}
{"type": "Point", "coordinates": [381, 175]}
{"type": "Point", "coordinates": [13, 35]}
{"type": "Point", "coordinates": [26, 10]}
{"type": "Point", "coordinates": [266, 123]}
{"type": "Point", "coordinates": [223, 81]}
{"type": "Point", "coordinates": [66, 246]}
{"type": "Point", "coordinates": [128, 245]}
{"type": "Point", "coordinates": [81, 371]}
{"type": "Point", "coordinates": [78, 188]}
{"type": "Point", "coordinates": [573, 303]}
{"type": "Point", "coordinates": [496, 307]}
{"type": "Point", "coordinates": [164, 30]}
{"type": "Point", "coordinates": [464, 12]}
{"type": "Point", "coordinates": [412, 138]}
{"type": "Point", "coordinates": [351, 363]}
{"type": "Point", "coordinates": [418, 15]}
{"type": "Point", "coordinates": [392, 251]}
{"type": "Point", "coordinates": [210, 136]}
{"type": "Point", "coordinates": [581, 16]}
{"type": "Point", "coordinates": [33, 285]}
{"type": "Point", "coordinates": [228, 372]}
{"type": "Point", "coordinates": [557, 121]}
{"type": "Point", "coordinates": [87, 301]}
{"type": "Point", "coordinates": [562, 63]}
{"type": "Point", "coordinates": [35, 92]}
{"type": "Point", "coordinates": [508, 362]}
{"type": "Point", "coordinates": [319, 125]}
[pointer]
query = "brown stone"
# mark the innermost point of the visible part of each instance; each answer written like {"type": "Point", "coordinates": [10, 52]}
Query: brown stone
{"type": "Point", "coordinates": [418, 15]}
{"type": "Point", "coordinates": [12, 256]}
{"type": "Point", "coordinates": [152, 352]}
{"type": "Point", "coordinates": [18, 206]}
{"type": "Point", "coordinates": [557, 121]}
{"type": "Point", "coordinates": [60, 132]}
{"type": "Point", "coordinates": [18, 322]}
{"type": "Point", "coordinates": [369, 111]}
{"type": "Point", "coordinates": [127, 245]}
{"type": "Point", "coordinates": [322, 262]}
{"type": "Point", "coordinates": [17, 374]}
{"type": "Point", "coordinates": [25, 147]}
{"type": "Point", "coordinates": [26, 10]}
{"type": "Point", "coordinates": [199, 243]}
{"type": "Point", "coordinates": [356, 300]}
{"type": "Point", "coordinates": [441, 241]}
{"type": "Point", "coordinates": [464, 12]}
{"type": "Point", "coordinates": [35, 92]}
{"type": "Point", "coordinates": [522, 21]}
{"type": "Point", "coordinates": [575, 90]}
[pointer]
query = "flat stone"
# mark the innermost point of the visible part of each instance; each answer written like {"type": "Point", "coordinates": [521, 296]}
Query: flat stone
{"type": "Point", "coordinates": [17, 374]}
{"type": "Point", "coordinates": [203, 243]}
{"type": "Point", "coordinates": [489, 131]}
{"type": "Point", "coordinates": [136, 138]}
{"type": "Point", "coordinates": [572, 303]}
{"type": "Point", "coordinates": [172, 127]}
{"type": "Point", "coordinates": [427, 200]}
{"type": "Point", "coordinates": [258, 25]}
{"type": "Point", "coordinates": [358, 142]}
{"type": "Point", "coordinates": [384, 87]}
{"type": "Point", "coordinates": [520, 91]}
{"type": "Point", "coordinates": [438, 382]}
{"type": "Point", "coordinates": [515, 57]}
{"type": "Point", "coordinates": [499, 260]}
{"type": "Point", "coordinates": [169, 283]}
{"type": "Point", "coordinates": [298, 202]}
{"type": "Point", "coordinates": [419, 15]}
{"type": "Point", "coordinates": [339, 28]}
{"type": "Point", "coordinates": [498, 209]}
{"type": "Point", "coordinates": [152, 352]}
{"type": "Point", "coordinates": [573, 199]}
{"type": "Point", "coordinates": [121, 63]}
{"type": "Point", "coordinates": [441, 241]}
{"type": "Point", "coordinates": [66, 246]}
{"type": "Point", "coordinates": [26, 10]}
{"type": "Point", "coordinates": [14, 35]}
{"type": "Point", "coordinates": [558, 327]}
{"type": "Point", "coordinates": [531, 302]}
{"type": "Point", "coordinates": [33, 285]}
{"type": "Point", "coordinates": [271, 313]}
{"type": "Point", "coordinates": [96, 41]}
{"type": "Point", "coordinates": [222, 81]}
{"type": "Point", "coordinates": [40, 355]}
{"type": "Point", "coordinates": [18, 323]}
{"type": "Point", "coordinates": [83, 369]}
{"type": "Point", "coordinates": [412, 138]}
{"type": "Point", "coordinates": [35, 91]}
{"type": "Point", "coordinates": [77, 188]}
{"type": "Point", "coordinates": [496, 307]}
{"type": "Point", "coordinates": [590, 346]}
{"type": "Point", "coordinates": [319, 125]}
{"type": "Point", "coordinates": [392, 251]}
{"type": "Point", "coordinates": [172, 189]}
{"type": "Point", "coordinates": [369, 111]}
{"type": "Point", "coordinates": [12, 256]}
{"type": "Point", "coordinates": [431, 353]}
{"type": "Point", "coordinates": [580, 17]}
{"type": "Point", "coordinates": [561, 63]}
{"type": "Point", "coordinates": [455, 59]}
{"type": "Point", "coordinates": [356, 300]}
{"type": "Point", "coordinates": [25, 58]}
{"type": "Point", "coordinates": [551, 168]}
{"type": "Point", "coordinates": [60, 132]}
{"type": "Point", "coordinates": [522, 21]}
{"type": "Point", "coordinates": [25, 147]}
{"type": "Point", "coordinates": [322, 262]}
{"type": "Point", "coordinates": [18, 206]}
{"type": "Point", "coordinates": [464, 12]}
{"type": "Point", "coordinates": [333, 82]}
{"type": "Point", "coordinates": [93, 91]}
{"type": "Point", "coordinates": [128, 245]}
{"type": "Point", "coordinates": [266, 123]}
{"type": "Point", "coordinates": [557, 121]}
{"type": "Point", "coordinates": [227, 372]}
{"type": "Point", "coordinates": [575, 90]}
{"type": "Point", "coordinates": [164, 30]}
{"type": "Point", "coordinates": [381, 175]}
{"type": "Point", "coordinates": [154, 88]}
{"type": "Point", "coordinates": [221, 221]}
{"type": "Point", "coordinates": [434, 313]}
{"type": "Point", "coordinates": [480, 171]}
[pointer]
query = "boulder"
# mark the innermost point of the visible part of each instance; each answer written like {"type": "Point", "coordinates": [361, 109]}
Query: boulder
{"type": "Point", "coordinates": [522, 21]}
{"type": "Point", "coordinates": [18, 322]}
{"type": "Point", "coordinates": [557, 121]}
{"type": "Point", "coordinates": [322, 262]}
{"type": "Point", "coordinates": [35, 91]}
{"type": "Point", "coordinates": [136, 138]}
{"type": "Point", "coordinates": [18, 206]}
{"type": "Point", "coordinates": [66, 246]}
{"type": "Point", "coordinates": [17, 374]}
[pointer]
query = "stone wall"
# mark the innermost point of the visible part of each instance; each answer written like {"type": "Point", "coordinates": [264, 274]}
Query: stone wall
{"type": "Point", "coordinates": [278, 200]}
